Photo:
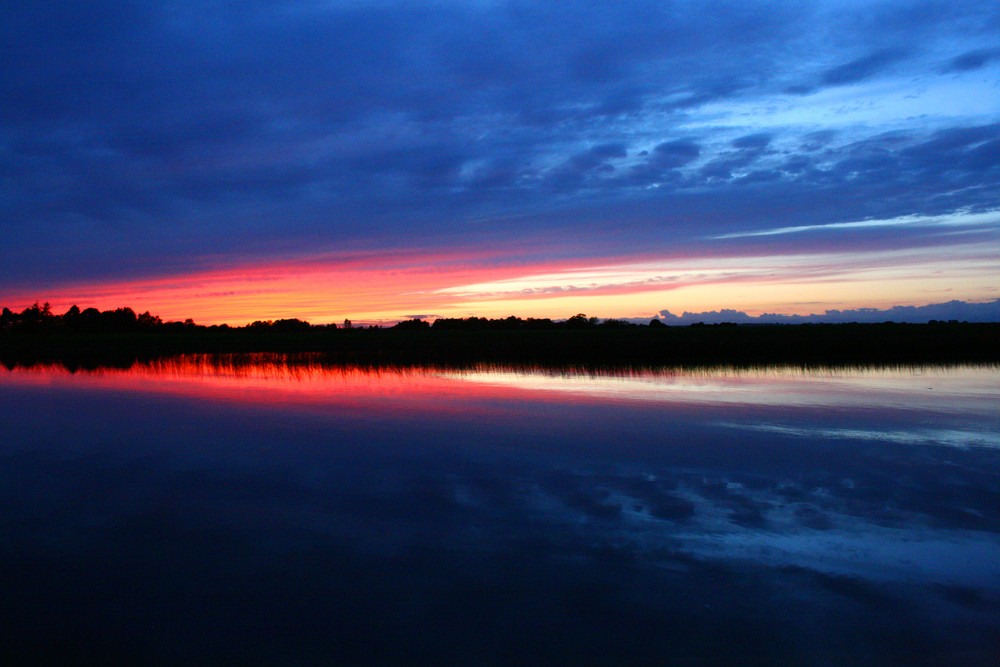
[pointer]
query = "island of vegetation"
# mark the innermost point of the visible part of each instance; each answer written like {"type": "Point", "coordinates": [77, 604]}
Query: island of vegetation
{"type": "Point", "coordinates": [90, 338]}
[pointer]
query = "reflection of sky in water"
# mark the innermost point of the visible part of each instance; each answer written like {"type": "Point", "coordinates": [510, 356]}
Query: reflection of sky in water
{"type": "Point", "coordinates": [273, 512]}
{"type": "Point", "coordinates": [963, 389]}
{"type": "Point", "coordinates": [951, 437]}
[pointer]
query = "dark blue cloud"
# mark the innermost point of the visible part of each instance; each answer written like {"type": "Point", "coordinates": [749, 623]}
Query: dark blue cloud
{"type": "Point", "coordinates": [749, 149]}
{"type": "Point", "coordinates": [755, 141]}
{"type": "Point", "coordinates": [862, 68]}
{"type": "Point", "coordinates": [972, 60]}
{"type": "Point", "coordinates": [675, 153]}
{"type": "Point", "coordinates": [593, 163]}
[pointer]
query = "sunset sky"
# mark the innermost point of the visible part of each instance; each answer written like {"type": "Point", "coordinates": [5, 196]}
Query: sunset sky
{"type": "Point", "coordinates": [383, 159]}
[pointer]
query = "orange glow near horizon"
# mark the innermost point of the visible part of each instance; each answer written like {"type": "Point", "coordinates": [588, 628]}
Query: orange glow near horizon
{"type": "Point", "coordinates": [394, 286]}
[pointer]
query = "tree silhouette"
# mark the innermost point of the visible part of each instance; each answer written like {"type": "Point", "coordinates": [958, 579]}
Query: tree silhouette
{"type": "Point", "coordinates": [148, 321]}
{"type": "Point", "coordinates": [291, 324]}
{"type": "Point", "coordinates": [413, 325]}
{"type": "Point", "coordinates": [581, 321]}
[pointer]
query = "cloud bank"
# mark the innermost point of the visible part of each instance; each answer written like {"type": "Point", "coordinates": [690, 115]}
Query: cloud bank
{"type": "Point", "coordinates": [951, 310]}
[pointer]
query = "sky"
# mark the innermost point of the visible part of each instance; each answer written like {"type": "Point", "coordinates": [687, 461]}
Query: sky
{"type": "Point", "coordinates": [384, 159]}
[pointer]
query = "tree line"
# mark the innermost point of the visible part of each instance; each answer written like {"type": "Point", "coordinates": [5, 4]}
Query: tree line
{"type": "Point", "coordinates": [578, 321]}
{"type": "Point", "coordinates": [120, 336]}
{"type": "Point", "coordinates": [40, 319]}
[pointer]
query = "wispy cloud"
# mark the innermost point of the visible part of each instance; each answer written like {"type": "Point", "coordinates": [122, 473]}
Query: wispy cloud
{"type": "Point", "coordinates": [681, 272]}
{"type": "Point", "coordinates": [958, 219]}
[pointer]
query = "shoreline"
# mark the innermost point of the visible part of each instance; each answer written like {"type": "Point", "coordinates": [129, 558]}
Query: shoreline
{"type": "Point", "coordinates": [798, 344]}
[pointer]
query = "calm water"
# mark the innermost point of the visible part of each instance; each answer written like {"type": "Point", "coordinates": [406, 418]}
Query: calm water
{"type": "Point", "coordinates": [253, 511]}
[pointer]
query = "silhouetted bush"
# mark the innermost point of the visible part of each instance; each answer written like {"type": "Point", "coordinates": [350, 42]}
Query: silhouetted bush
{"type": "Point", "coordinates": [292, 324]}
{"type": "Point", "coordinates": [412, 325]}
{"type": "Point", "coordinates": [616, 324]}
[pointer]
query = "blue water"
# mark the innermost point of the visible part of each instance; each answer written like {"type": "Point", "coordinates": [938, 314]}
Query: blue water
{"type": "Point", "coordinates": [198, 512]}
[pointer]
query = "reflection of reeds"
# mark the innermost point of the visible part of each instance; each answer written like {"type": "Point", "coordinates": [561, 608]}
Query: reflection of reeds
{"type": "Point", "coordinates": [301, 366]}
{"type": "Point", "coordinates": [586, 350]}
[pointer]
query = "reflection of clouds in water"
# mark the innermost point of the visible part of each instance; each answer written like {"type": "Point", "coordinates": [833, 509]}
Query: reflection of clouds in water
{"type": "Point", "coordinates": [960, 389]}
{"type": "Point", "coordinates": [947, 437]}
{"type": "Point", "coordinates": [863, 529]}
{"type": "Point", "coordinates": [864, 550]}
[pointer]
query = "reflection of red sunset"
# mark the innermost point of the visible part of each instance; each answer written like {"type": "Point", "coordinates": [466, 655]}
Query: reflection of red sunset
{"type": "Point", "coordinates": [267, 380]}
{"type": "Point", "coordinates": [301, 380]}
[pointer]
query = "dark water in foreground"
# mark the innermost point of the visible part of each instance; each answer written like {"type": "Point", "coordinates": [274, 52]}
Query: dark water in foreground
{"type": "Point", "coordinates": [260, 513]}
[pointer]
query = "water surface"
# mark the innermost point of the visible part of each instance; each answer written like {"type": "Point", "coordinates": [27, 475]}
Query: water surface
{"type": "Point", "coordinates": [273, 510]}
